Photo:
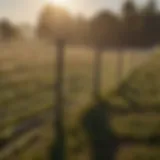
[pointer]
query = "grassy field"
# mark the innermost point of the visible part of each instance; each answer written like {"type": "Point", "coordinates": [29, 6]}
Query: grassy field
{"type": "Point", "coordinates": [27, 77]}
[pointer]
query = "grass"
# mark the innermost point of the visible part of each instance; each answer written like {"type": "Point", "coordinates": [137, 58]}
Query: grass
{"type": "Point", "coordinates": [28, 71]}
{"type": "Point", "coordinates": [140, 126]}
{"type": "Point", "coordinates": [139, 152]}
{"type": "Point", "coordinates": [8, 151]}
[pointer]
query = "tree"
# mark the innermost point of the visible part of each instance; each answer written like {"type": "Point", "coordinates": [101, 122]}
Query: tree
{"type": "Point", "coordinates": [54, 22]}
{"type": "Point", "coordinates": [104, 29]}
{"type": "Point", "coordinates": [151, 24]}
{"type": "Point", "coordinates": [45, 23]}
{"type": "Point", "coordinates": [8, 31]}
{"type": "Point", "coordinates": [140, 27]}
{"type": "Point", "coordinates": [129, 9]}
{"type": "Point", "coordinates": [81, 30]}
{"type": "Point", "coordinates": [131, 23]}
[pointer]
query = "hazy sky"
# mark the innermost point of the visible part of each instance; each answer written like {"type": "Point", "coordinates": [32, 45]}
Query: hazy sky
{"type": "Point", "coordinates": [27, 10]}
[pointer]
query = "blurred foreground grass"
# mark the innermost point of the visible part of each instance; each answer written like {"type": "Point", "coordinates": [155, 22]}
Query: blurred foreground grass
{"type": "Point", "coordinates": [27, 74]}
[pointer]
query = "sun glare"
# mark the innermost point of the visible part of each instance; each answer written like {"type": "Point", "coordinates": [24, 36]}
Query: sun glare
{"type": "Point", "coordinates": [58, 2]}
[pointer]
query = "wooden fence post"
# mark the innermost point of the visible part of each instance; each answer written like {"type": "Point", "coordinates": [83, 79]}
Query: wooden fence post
{"type": "Point", "coordinates": [120, 65]}
{"type": "Point", "coordinates": [97, 74]}
{"type": "Point", "coordinates": [59, 145]}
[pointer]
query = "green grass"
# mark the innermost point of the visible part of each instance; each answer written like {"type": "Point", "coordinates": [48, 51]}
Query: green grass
{"type": "Point", "coordinates": [7, 152]}
{"type": "Point", "coordinates": [139, 152]}
{"type": "Point", "coordinates": [28, 71]}
{"type": "Point", "coordinates": [140, 126]}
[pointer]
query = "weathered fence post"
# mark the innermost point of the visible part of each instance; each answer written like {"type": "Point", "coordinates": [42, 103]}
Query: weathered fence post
{"type": "Point", "coordinates": [59, 83]}
{"type": "Point", "coordinates": [96, 120]}
{"type": "Point", "coordinates": [120, 64]}
{"type": "Point", "coordinates": [97, 74]}
{"type": "Point", "coordinates": [59, 146]}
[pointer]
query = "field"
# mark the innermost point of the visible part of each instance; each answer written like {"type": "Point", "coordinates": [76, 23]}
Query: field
{"type": "Point", "coordinates": [28, 72]}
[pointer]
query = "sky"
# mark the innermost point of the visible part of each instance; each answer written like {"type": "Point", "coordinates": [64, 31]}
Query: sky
{"type": "Point", "coordinates": [20, 11]}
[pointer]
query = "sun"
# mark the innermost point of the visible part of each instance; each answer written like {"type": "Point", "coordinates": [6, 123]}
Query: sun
{"type": "Point", "coordinates": [58, 2]}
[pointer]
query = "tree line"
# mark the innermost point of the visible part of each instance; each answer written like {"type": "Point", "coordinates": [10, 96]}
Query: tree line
{"type": "Point", "coordinates": [135, 27]}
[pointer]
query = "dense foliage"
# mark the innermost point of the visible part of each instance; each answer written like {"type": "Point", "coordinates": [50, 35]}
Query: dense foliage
{"type": "Point", "coordinates": [141, 88]}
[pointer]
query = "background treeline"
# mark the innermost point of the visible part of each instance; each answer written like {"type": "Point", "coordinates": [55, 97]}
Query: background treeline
{"type": "Point", "coordinates": [134, 27]}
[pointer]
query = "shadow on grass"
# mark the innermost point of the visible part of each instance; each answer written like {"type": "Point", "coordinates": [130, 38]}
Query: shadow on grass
{"type": "Point", "coordinates": [57, 149]}
{"type": "Point", "coordinates": [97, 127]}
{"type": "Point", "coordinates": [103, 141]}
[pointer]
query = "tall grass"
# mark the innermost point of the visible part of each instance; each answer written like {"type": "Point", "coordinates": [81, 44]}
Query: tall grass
{"type": "Point", "coordinates": [28, 72]}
